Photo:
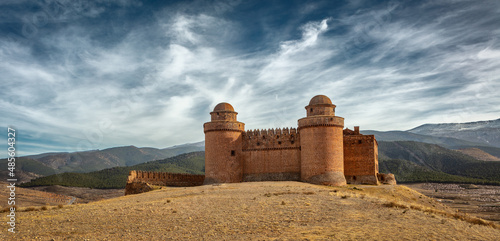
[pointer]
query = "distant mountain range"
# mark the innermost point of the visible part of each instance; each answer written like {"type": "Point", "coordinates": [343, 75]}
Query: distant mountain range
{"type": "Point", "coordinates": [45, 164]}
{"type": "Point", "coordinates": [485, 132]}
{"type": "Point", "coordinates": [431, 151]}
{"type": "Point", "coordinates": [116, 177]}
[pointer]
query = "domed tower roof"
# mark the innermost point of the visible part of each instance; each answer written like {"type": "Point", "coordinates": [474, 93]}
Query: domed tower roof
{"type": "Point", "coordinates": [223, 107]}
{"type": "Point", "coordinates": [320, 100]}
{"type": "Point", "coordinates": [223, 112]}
{"type": "Point", "coordinates": [320, 105]}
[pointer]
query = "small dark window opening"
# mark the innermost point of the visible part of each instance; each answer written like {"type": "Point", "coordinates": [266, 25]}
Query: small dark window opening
{"type": "Point", "coordinates": [354, 178]}
{"type": "Point", "coordinates": [279, 142]}
{"type": "Point", "coordinates": [359, 142]}
{"type": "Point", "coordinates": [217, 113]}
{"type": "Point", "coordinates": [277, 137]}
{"type": "Point", "coordinates": [293, 142]}
{"type": "Point", "coordinates": [233, 153]}
{"type": "Point", "coordinates": [331, 119]}
{"type": "Point", "coordinates": [258, 143]}
{"type": "Point", "coordinates": [311, 110]}
{"type": "Point", "coordinates": [263, 137]}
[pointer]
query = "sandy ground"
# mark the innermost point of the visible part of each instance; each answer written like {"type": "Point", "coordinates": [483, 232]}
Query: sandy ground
{"type": "Point", "coordinates": [55, 195]}
{"type": "Point", "coordinates": [480, 200]}
{"type": "Point", "coordinates": [252, 211]}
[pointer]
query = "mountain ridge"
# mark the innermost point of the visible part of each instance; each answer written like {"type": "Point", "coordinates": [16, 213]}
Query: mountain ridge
{"type": "Point", "coordinates": [486, 132]}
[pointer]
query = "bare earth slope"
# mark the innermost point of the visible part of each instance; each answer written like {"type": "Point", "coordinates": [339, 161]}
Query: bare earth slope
{"type": "Point", "coordinates": [252, 211]}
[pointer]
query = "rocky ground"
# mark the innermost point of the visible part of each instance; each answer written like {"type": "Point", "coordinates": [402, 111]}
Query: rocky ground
{"type": "Point", "coordinates": [255, 211]}
{"type": "Point", "coordinates": [480, 200]}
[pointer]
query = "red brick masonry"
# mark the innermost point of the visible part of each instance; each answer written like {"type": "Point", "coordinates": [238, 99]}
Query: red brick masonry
{"type": "Point", "coordinates": [320, 151]}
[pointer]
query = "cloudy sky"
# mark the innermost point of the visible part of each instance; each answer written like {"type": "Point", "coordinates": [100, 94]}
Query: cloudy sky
{"type": "Point", "coordinates": [78, 75]}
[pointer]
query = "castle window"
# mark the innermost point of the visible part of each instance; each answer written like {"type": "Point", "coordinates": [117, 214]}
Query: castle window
{"type": "Point", "coordinates": [311, 110]}
{"type": "Point", "coordinates": [277, 137]}
{"type": "Point", "coordinates": [359, 142]}
{"type": "Point", "coordinates": [279, 142]}
{"type": "Point", "coordinates": [233, 153]}
{"type": "Point", "coordinates": [263, 137]}
{"type": "Point", "coordinates": [258, 143]}
{"type": "Point", "coordinates": [293, 142]}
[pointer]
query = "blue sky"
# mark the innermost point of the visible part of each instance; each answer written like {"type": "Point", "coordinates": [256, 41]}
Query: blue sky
{"type": "Point", "coordinates": [78, 75]}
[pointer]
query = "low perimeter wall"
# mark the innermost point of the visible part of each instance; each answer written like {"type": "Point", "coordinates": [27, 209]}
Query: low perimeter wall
{"type": "Point", "coordinates": [166, 178]}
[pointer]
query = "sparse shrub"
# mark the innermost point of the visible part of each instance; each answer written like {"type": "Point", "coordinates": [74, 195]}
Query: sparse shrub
{"type": "Point", "coordinates": [283, 203]}
{"type": "Point", "coordinates": [29, 209]}
{"type": "Point", "coordinates": [344, 196]}
{"type": "Point", "coordinates": [44, 208]}
{"type": "Point", "coordinates": [395, 205]}
{"type": "Point", "coordinates": [60, 206]}
{"type": "Point", "coordinates": [168, 200]}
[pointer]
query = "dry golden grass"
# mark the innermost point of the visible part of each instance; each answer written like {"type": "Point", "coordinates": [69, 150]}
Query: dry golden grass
{"type": "Point", "coordinates": [257, 211]}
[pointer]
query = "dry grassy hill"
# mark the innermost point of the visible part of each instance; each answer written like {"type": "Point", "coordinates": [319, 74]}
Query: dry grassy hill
{"type": "Point", "coordinates": [258, 210]}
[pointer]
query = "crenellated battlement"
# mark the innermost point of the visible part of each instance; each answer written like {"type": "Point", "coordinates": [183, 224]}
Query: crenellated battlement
{"type": "Point", "coordinates": [279, 138]}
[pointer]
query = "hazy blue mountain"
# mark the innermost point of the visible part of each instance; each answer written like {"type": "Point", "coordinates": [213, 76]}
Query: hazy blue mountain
{"type": "Point", "coordinates": [486, 132]}
{"type": "Point", "coordinates": [448, 142]}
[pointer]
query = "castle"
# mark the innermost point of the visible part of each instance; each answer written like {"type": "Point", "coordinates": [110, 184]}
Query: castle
{"type": "Point", "coordinates": [319, 151]}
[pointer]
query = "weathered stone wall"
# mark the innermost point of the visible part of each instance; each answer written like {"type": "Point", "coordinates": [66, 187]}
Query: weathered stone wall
{"type": "Point", "coordinates": [322, 155]}
{"type": "Point", "coordinates": [223, 159]}
{"type": "Point", "coordinates": [271, 155]}
{"type": "Point", "coordinates": [360, 158]}
{"type": "Point", "coordinates": [166, 178]}
{"type": "Point", "coordinates": [271, 164]}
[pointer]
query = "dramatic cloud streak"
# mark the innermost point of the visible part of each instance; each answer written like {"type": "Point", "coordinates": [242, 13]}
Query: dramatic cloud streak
{"type": "Point", "coordinates": [85, 76]}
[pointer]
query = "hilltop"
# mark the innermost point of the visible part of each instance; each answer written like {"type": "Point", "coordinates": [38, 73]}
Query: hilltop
{"type": "Point", "coordinates": [257, 210]}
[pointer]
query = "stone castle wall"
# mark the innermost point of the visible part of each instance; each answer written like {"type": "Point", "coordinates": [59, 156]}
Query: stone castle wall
{"type": "Point", "coordinates": [271, 155]}
{"type": "Point", "coordinates": [360, 159]}
{"type": "Point", "coordinates": [224, 148]}
{"type": "Point", "coordinates": [165, 178]}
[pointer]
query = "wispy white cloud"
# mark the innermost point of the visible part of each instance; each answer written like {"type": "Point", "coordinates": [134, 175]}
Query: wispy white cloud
{"type": "Point", "coordinates": [153, 84]}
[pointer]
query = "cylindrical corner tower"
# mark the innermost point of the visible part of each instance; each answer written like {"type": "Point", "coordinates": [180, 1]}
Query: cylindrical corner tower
{"type": "Point", "coordinates": [223, 144]}
{"type": "Point", "coordinates": [322, 145]}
